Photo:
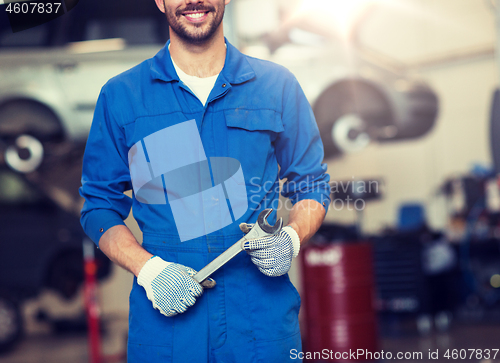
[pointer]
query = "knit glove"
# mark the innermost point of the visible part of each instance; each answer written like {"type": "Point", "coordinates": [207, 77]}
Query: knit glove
{"type": "Point", "coordinates": [169, 286]}
{"type": "Point", "coordinates": [273, 255]}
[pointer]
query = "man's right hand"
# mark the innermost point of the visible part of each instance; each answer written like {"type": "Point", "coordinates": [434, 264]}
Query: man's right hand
{"type": "Point", "coordinates": [169, 286]}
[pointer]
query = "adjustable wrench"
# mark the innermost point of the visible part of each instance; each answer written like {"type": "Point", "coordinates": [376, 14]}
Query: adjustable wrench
{"type": "Point", "coordinates": [260, 229]}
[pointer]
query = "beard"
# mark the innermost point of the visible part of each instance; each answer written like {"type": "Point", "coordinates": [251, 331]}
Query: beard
{"type": "Point", "coordinates": [196, 33]}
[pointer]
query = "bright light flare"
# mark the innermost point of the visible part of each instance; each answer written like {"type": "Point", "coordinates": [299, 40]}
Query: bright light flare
{"type": "Point", "coordinates": [338, 15]}
{"type": "Point", "coordinates": [98, 45]}
{"type": "Point", "coordinates": [495, 281]}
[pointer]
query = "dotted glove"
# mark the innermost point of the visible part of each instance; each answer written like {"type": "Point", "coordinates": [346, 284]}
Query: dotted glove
{"type": "Point", "coordinates": [273, 255]}
{"type": "Point", "coordinates": [169, 286]}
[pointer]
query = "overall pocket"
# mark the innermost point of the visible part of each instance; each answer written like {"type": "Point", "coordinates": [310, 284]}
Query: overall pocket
{"type": "Point", "coordinates": [251, 134]}
{"type": "Point", "coordinates": [150, 333]}
{"type": "Point", "coordinates": [147, 326]}
{"type": "Point", "coordinates": [275, 306]}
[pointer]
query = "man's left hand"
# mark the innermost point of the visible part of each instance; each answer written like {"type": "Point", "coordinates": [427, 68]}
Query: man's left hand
{"type": "Point", "coordinates": [273, 255]}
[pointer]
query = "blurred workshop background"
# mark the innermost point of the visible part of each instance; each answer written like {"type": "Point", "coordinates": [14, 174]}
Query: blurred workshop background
{"type": "Point", "coordinates": [405, 93]}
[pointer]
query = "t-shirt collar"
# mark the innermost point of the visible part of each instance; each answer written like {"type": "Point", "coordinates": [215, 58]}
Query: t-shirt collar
{"type": "Point", "coordinates": [236, 69]}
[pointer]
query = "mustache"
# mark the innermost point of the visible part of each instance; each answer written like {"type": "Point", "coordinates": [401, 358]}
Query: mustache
{"type": "Point", "coordinates": [195, 7]}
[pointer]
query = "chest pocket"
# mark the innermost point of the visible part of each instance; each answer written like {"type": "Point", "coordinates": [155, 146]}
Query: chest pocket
{"type": "Point", "coordinates": [251, 134]}
{"type": "Point", "coordinates": [254, 120]}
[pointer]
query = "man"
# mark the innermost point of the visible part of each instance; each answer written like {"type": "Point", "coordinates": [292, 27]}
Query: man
{"type": "Point", "coordinates": [198, 132]}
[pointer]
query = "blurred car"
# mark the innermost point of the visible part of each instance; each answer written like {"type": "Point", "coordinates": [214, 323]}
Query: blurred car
{"type": "Point", "coordinates": [51, 74]}
{"type": "Point", "coordinates": [50, 79]}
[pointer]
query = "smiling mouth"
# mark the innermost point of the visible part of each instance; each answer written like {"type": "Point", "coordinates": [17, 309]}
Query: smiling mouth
{"type": "Point", "coordinates": [196, 16]}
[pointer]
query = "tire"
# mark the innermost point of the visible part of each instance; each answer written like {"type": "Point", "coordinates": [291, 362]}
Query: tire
{"type": "Point", "coordinates": [29, 135]}
{"type": "Point", "coordinates": [347, 113]}
{"type": "Point", "coordinates": [11, 325]}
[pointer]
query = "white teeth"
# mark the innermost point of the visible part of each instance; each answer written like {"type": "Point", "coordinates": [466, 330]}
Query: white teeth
{"type": "Point", "coordinates": [195, 15]}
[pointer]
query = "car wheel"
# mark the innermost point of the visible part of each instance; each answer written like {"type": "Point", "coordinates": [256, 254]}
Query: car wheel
{"type": "Point", "coordinates": [30, 135]}
{"type": "Point", "coordinates": [348, 114]}
{"type": "Point", "coordinates": [11, 326]}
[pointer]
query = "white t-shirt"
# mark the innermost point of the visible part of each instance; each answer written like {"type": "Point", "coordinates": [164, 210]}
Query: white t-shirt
{"type": "Point", "coordinates": [201, 87]}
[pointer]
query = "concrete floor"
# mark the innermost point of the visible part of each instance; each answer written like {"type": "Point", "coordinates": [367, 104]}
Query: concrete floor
{"type": "Point", "coordinates": [39, 345]}
{"type": "Point", "coordinates": [61, 349]}
{"type": "Point", "coordinates": [45, 348]}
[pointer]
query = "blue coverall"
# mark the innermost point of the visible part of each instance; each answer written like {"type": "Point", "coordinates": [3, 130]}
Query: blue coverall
{"type": "Point", "coordinates": [256, 114]}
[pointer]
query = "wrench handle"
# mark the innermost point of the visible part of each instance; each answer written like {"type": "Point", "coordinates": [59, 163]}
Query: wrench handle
{"type": "Point", "coordinates": [219, 261]}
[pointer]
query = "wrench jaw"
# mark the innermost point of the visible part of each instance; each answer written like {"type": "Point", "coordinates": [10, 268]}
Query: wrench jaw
{"type": "Point", "coordinates": [262, 228]}
{"type": "Point", "coordinates": [264, 224]}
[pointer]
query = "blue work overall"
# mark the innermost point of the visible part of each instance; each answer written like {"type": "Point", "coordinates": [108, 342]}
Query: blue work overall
{"type": "Point", "coordinates": [257, 115]}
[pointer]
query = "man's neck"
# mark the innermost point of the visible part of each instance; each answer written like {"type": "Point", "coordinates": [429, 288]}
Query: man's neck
{"type": "Point", "coordinates": [202, 60]}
